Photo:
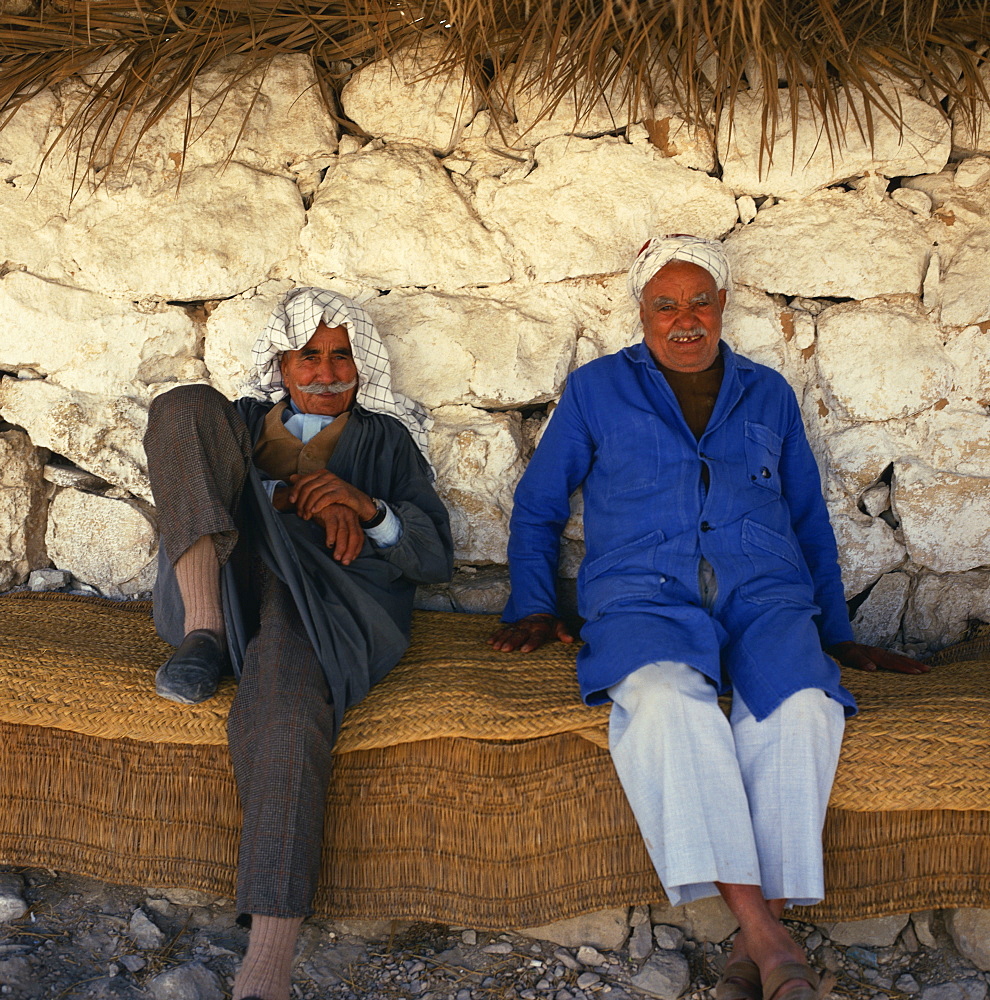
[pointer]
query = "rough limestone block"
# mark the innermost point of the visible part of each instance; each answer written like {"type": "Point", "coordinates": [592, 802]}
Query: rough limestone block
{"type": "Point", "coordinates": [231, 330]}
{"type": "Point", "coordinates": [878, 618]}
{"type": "Point", "coordinates": [941, 607]}
{"type": "Point", "coordinates": [109, 544]}
{"type": "Point", "coordinates": [478, 458]}
{"type": "Point", "coordinates": [85, 341]}
{"type": "Point", "coordinates": [970, 353]}
{"type": "Point", "coordinates": [481, 349]}
{"type": "Point", "coordinates": [868, 547]}
{"type": "Point", "coordinates": [804, 160]}
{"type": "Point", "coordinates": [856, 456]}
{"type": "Point", "coordinates": [101, 434]}
{"type": "Point", "coordinates": [970, 930]}
{"type": "Point", "coordinates": [565, 222]}
{"type": "Point", "coordinates": [687, 143]}
{"type": "Point", "coordinates": [23, 503]}
{"type": "Point", "coordinates": [945, 518]}
{"type": "Point", "coordinates": [272, 118]}
{"type": "Point", "coordinates": [665, 974]}
{"type": "Point", "coordinates": [965, 293]}
{"type": "Point", "coordinates": [214, 235]}
{"type": "Point", "coordinates": [952, 438]}
{"type": "Point", "coordinates": [882, 359]}
{"type": "Point", "coordinates": [878, 932]}
{"type": "Point", "coordinates": [605, 929]}
{"type": "Point", "coordinates": [400, 99]}
{"type": "Point", "coordinates": [831, 244]}
{"type": "Point", "coordinates": [392, 216]}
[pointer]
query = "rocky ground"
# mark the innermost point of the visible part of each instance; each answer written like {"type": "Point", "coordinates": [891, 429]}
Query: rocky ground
{"type": "Point", "coordinates": [69, 938]}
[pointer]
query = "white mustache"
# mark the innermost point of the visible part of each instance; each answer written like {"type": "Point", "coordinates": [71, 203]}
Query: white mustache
{"type": "Point", "coordinates": [327, 388]}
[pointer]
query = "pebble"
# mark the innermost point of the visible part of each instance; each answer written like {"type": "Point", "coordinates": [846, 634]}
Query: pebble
{"type": "Point", "coordinates": [665, 974]}
{"type": "Point", "coordinates": [469, 937]}
{"type": "Point", "coordinates": [861, 956]}
{"type": "Point", "coordinates": [907, 983]}
{"type": "Point", "coordinates": [190, 981]}
{"type": "Point", "coordinates": [12, 905]}
{"type": "Point", "coordinates": [563, 995]}
{"type": "Point", "coordinates": [543, 984]}
{"type": "Point", "coordinates": [498, 948]}
{"type": "Point", "coordinates": [143, 931]}
{"type": "Point", "coordinates": [640, 942]}
{"type": "Point", "coordinates": [567, 959]}
{"type": "Point", "coordinates": [587, 979]}
{"type": "Point", "coordinates": [668, 938]}
{"type": "Point", "coordinates": [587, 955]}
{"type": "Point", "coordinates": [813, 940]}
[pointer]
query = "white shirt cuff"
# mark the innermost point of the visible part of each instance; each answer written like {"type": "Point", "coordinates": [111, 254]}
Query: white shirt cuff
{"type": "Point", "coordinates": [388, 532]}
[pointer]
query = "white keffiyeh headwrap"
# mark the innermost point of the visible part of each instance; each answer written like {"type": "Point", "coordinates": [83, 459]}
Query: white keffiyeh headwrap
{"type": "Point", "coordinates": [290, 326]}
{"type": "Point", "coordinates": [661, 250]}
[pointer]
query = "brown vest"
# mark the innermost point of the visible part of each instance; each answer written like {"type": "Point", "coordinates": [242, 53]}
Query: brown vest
{"type": "Point", "coordinates": [280, 454]}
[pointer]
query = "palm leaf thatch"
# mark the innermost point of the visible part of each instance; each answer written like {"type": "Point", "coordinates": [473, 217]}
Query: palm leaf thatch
{"type": "Point", "coordinates": [700, 53]}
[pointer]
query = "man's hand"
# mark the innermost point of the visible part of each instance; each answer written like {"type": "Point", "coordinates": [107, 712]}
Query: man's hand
{"type": "Point", "coordinates": [529, 633]}
{"type": "Point", "coordinates": [344, 534]}
{"type": "Point", "coordinates": [310, 492]}
{"type": "Point", "coordinates": [860, 657]}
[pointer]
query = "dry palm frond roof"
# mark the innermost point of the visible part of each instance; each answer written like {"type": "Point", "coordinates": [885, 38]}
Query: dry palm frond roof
{"type": "Point", "coordinates": [702, 53]}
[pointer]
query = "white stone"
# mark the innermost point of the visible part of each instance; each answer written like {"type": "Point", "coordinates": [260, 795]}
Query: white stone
{"type": "Point", "coordinates": [668, 937]}
{"type": "Point", "coordinates": [973, 172]}
{"type": "Point", "coordinates": [875, 500]}
{"type": "Point", "coordinates": [878, 619]}
{"type": "Point", "coordinates": [565, 222]}
{"type": "Point", "coordinates": [101, 434]}
{"type": "Point", "coordinates": [687, 143]}
{"type": "Point", "coordinates": [401, 99]}
{"type": "Point", "coordinates": [970, 353]}
{"type": "Point", "coordinates": [877, 932]}
{"type": "Point", "coordinates": [952, 438]}
{"type": "Point", "coordinates": [881, 359]}
{"type": "Point", "coordinates": [143, 931]}
{"type": "Point", "coordinates": [605, 929]}
{"type": "Point", "coordinates": [831, 244]}
{"type": "Point", "coordinates": [811, 158]}
{"type": "Point", "coordinates": [12, 905]}
{"type": "Point", "coordinates": [23, 497]}
{"type": "Point", "coordinates": [941, 608]}
{"type": "Point", "coordinates": [914, 201]}
{"type": "Point", "coordinates": [945, 518]}
{"type": "Point", "coordinates": [271, 118]}
{"type": "Point", "coordinates": [69, 475]}
{"type": "Point", "coordinates": [970, 930]}
{"type": "Point", "coordinates": [857, 456]}
{"type": "Point", "coordinates": [216, 234]}
{"type": "Point", "coordinates": [231, 330]}
{"type": "Point", "coordinates": [747, 208]}
{"type": "Point", "coordinates": [109, 544]}
{"type": "Point", "coordinates": [484, 591]}
{"type": "Point", "coordinates": [868, 548]}
{"type": "Point", "coordinates": [390, 217]}
{"type": "Point", "coordinates": [86, 341]}
{"type": "Point", "coordinates": [478, 458]}
{"type": "Point", "coordinates": [481, 349]}
{"type": "Point", "coordinates": [964, 294]}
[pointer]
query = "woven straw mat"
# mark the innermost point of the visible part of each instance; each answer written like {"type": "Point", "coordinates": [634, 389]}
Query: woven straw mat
{"type": "Point", "coordinates": [87, 665]}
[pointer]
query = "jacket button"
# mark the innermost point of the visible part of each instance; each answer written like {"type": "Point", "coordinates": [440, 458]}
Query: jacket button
{"type": "Point", "coordinates": [765, 472]}
{"type": "Point", "coordinates": [705, 526]}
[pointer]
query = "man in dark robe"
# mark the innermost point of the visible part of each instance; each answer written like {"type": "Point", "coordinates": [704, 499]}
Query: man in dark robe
{"type": "Point", "coordinates": [293, 534]}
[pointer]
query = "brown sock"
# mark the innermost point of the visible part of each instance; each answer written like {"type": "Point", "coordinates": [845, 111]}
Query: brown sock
{"type": "Point", "coordinates": [197, 572]}
{"type": "Point", "coordinates": [266, 971]}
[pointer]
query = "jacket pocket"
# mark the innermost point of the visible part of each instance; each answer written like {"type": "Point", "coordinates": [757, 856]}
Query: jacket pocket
{"type": "Point", "coordinates": [625, 574]}
{"type": "Point", "coordinates": [763, 447]}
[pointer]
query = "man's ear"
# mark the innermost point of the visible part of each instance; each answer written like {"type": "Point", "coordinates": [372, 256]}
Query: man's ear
{"type": "Point", "coordinates": [722, 295]}
{"type": "Point", "coordinates": [642, 310]}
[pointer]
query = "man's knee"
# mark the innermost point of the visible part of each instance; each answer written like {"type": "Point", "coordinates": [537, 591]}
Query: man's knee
{"type": "Point", "coordinates": [184, 401]}
{"type": "Point", "coordinates": [656, 686]}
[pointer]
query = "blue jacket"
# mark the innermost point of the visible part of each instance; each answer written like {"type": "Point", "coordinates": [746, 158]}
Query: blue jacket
{"type": "Point", "coordinates": [619, 434]}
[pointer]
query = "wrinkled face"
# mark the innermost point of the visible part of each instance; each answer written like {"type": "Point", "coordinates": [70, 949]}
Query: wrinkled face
{"type": "Point", "coordinates": [681, 313]}
{"type": "Point", "coordinates": [321, 376]}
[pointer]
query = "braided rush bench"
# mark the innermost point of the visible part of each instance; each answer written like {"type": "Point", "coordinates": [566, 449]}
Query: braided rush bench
{"type": "Point", "coordinates": [470, 787]}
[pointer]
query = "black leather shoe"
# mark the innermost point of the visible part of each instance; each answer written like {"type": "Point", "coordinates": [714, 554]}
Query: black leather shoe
{"type": "Point", "coordinates": [191, 674]}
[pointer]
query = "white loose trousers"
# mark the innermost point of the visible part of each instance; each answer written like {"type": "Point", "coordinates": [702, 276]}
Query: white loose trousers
{"type": "Point", "coordinates": [721, 799]}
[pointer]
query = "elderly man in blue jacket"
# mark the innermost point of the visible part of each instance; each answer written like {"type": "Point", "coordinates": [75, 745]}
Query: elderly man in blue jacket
{"type": "Point", "coordinates": [711, 567]}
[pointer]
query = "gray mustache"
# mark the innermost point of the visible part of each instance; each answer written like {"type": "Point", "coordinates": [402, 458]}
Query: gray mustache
{"type": "Point", "coordinates": [698, 331]}
{"type": "Point", "coordinates": [327, 388]}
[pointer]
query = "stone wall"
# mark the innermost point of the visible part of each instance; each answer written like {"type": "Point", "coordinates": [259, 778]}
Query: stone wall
{"type": "Point", "coordinates": [490, 248]}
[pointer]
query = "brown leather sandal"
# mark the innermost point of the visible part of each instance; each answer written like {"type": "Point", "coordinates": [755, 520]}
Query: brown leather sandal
{"type": "Point", "coordinates": [816, 989]}
{"type": "Point", "coordinates": [740, 980]}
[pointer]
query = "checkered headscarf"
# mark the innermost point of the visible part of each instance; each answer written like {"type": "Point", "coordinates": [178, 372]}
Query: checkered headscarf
{"type": "Point", "coordinates": [661, 250]}
{"type": "Point", "coordinates": [295, 319]}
